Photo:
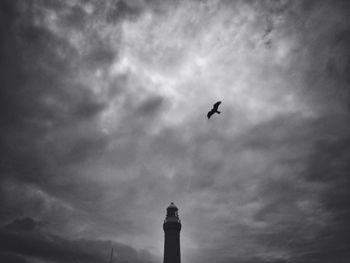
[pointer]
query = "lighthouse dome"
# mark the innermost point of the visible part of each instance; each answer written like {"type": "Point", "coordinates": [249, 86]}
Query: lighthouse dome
{"type": "Point", "coordinates": [172, 206]}
{"type": "Point", "coordinates": [172, 213]}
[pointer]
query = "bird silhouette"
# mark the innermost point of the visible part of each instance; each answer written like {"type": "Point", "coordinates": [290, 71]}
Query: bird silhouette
{"type": "Point", "coordinates": [214, 109]}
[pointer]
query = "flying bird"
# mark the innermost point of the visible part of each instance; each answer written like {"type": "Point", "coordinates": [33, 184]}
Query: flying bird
{"type": "Point", "coordinates": [214, 109]}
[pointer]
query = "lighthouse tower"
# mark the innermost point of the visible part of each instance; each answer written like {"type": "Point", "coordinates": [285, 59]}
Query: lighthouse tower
{"type": "Point", "coordinates": [172, 227]}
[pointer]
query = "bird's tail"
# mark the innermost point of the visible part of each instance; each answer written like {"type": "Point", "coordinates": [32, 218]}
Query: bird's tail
{"type": "Point", "coordinates": [218, 112]}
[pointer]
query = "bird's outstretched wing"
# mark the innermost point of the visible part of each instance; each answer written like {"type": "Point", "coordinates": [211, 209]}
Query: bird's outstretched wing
{"type": "Point", "coordinates": [209, 114]}
{"type": "Point", "coordinates": [216, 105]}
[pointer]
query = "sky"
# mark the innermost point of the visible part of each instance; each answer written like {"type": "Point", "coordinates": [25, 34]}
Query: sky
{"type": "Point", "coordinates": [103, 123]}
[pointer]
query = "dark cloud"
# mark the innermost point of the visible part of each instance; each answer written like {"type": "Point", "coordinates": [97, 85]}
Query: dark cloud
{"type": "Point", "coordinates": [121, 10]}
{"type": "Point", "coordinates": [329, 165]}
{"type": "Point", "coordinates": [40, 103]}
{"type": "Point", "coordinates": [17, 243]}
{"type": "Point", "coordinates": [12, 258]}
{"type": "Point", "coordinates": [150, 106]}
{"type": "Point", "coordinates": [39, 96]}
{"type": "Point", "coordinates": [24, 224]}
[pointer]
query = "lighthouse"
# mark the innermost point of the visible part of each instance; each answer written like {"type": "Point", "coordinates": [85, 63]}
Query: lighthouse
{"type": "Point", "coordinates": [172, 228]}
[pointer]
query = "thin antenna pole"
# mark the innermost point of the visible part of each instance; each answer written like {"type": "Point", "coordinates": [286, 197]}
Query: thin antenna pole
{"type": "Point", "coordinates": [110, 261]}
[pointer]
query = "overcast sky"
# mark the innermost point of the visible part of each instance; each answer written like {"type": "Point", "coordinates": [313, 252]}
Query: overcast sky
{"type": "Point", "coordinates": [103, 123]}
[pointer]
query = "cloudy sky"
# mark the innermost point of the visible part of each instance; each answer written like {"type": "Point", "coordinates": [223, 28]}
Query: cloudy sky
{"type": "Point", "coordinates": [103, 123]}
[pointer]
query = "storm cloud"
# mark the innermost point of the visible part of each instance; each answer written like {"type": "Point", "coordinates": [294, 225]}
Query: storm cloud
{"type": "Point", "coordinates": [103, 123]}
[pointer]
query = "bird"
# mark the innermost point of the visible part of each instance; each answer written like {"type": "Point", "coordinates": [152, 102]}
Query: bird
{"type": "Point", "coordinates": [214, 109]}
